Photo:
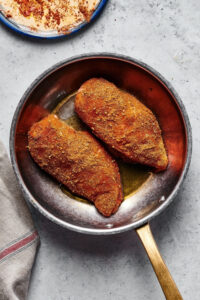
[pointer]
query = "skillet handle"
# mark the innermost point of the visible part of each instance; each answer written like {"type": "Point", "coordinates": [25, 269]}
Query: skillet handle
{"type": "Point", "coordinates": [164, 277]}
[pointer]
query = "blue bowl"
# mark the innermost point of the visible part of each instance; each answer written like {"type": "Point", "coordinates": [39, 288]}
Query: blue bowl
{"type": "Point", "coordinates": [49, 35]}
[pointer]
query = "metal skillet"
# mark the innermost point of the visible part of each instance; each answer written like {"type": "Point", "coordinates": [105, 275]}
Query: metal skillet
{"type": "Point", "coordinates": [156, 193]}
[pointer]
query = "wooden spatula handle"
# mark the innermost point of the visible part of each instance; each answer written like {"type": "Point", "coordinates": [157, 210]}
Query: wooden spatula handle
{"type": "Point", "coordinates": [164, 277]}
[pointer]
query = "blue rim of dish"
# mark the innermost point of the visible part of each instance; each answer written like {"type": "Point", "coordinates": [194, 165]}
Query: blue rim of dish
{"type": "Point", "coordinates": [27, 32]}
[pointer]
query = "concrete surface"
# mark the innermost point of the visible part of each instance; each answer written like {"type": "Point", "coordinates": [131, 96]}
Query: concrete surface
{"type": "Point", "coordinates": [166, 35]}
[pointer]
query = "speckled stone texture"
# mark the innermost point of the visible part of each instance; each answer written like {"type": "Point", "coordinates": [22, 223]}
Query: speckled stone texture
{"type": "Point", "coordinates": [165, 35]}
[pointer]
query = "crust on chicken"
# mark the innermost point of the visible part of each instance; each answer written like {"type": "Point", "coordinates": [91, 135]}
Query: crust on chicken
{"type": "Point", "coordinates": [78, 160]}
{"type": "Point", "coordinates": [120, 120]}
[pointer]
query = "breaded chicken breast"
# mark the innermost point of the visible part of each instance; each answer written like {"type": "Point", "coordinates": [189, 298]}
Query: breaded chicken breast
{"type": "Point", "coordinates": [122, 122]}
{"type": "Point", "coordinates": [76, 159]}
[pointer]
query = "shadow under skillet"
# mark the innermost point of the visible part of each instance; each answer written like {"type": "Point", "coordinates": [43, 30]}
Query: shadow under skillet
{"type": "Point", "coordinates": [104, 251]}
{"type": "Point", "coordinates": [106, 245]}
{"type": "Point", "coordinates": [165, 226]}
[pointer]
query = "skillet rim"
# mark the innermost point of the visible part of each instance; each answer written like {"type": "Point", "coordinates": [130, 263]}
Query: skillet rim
{"type": "Point", "coordinates": [82, 229]}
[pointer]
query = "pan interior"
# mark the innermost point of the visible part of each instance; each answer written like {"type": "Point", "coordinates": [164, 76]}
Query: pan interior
{"type": "Point", "coordinates": [149, 190]}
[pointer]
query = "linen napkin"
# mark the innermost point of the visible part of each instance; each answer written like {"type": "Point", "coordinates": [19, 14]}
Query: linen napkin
{"type": "Point", "coordinates": [18, 237]}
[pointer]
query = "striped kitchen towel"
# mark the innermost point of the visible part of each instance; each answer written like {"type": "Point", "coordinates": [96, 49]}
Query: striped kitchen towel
{"type": "Point", "coordinates": [18, 237]}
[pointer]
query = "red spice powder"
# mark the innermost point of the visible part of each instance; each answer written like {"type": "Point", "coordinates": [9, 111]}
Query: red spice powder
{"type": "Point", "coordinates": [53, 11]}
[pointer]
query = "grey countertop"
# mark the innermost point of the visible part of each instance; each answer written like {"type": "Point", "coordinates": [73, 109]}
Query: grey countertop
{"type": "Point", "coordinates": [165, 35]}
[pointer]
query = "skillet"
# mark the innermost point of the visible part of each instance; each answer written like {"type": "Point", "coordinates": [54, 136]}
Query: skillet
{"type": "Point", "coordinates": [154, 195]}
